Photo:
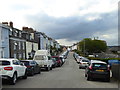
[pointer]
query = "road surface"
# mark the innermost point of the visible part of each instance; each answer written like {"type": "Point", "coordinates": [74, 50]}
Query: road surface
{"type": "Point", "coordinates": [67, 76]}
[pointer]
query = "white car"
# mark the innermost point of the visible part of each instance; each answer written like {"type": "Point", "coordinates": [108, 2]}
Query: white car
{"type": "Point", "coordinates": [43, 58]}
{"type": "Point", "coordinates": [83, 63]}
{"type": "Point", "coordinates": [11, 69]}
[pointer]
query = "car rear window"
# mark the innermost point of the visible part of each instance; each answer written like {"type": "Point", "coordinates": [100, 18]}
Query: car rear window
{"type": "Point", "coordinates": [26, 63]}
{"type": "Point", "coordinates": [40, 57]}
{"type": "Point", "coordinates": [85, 61]}
{"type": "Point", "coordinates": [4, 63]}
{"type": "Point", "coordinates": [99, 65]}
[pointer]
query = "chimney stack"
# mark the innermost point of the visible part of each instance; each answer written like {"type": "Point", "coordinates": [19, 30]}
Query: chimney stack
{"type": "Point", "coordinates": [30, 30]}
{"type": "Point", "coordinates": [5, 23]}
{"type": "Point", "coordinates": [11, 24]}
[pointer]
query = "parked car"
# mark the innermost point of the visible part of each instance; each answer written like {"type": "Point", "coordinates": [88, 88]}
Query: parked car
{"type": "Point", "coordinates": [32, 67]}
{"type": "Point", "coordinates": [75, 55]}
{"type": "Point", "coordinates": [62, 59]}
{"type": "Point", "coordinates": [83, 63]}
{"type": "Point", "coordinates": [43, 58]}
{"type": "Point", "coordinates": [59, 61]}
{"type": "Point", "coordinates": [97, 69]}
{"type": "Point", "coordinates": [12, 69]}
{"type": "Point", "coordinates": [54, 63]}
{"type": "Point", "coordinates": [65, 54]}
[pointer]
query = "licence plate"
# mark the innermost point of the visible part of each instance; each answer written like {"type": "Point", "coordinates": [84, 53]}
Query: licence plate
{"type": "Point", "coordinates": [100, 70]}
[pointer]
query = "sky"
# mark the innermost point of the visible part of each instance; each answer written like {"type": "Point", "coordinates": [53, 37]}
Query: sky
{"type": "Point", "coordinates": [67, 21]}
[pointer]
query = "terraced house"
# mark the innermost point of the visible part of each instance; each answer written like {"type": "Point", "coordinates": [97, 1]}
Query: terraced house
{"type": "Point", "coordinates": [22, 44]}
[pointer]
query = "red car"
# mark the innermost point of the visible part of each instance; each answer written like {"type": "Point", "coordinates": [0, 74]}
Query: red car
{"type": "Point", "coordinates": [58, 60]}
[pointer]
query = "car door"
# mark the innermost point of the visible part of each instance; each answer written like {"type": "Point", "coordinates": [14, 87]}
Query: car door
{"type": "Point", "coordinates": [16, 67]}
{"type": "Point", "coordinates": [36, 67]}
{"type": "Point", "coordinates": [21, 68]}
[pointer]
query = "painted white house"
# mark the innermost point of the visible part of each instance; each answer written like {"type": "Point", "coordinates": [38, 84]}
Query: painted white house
{"type": "Point", "coordinates": [4, 41]}
{"type": "Point", "coordinates": [74, 47]}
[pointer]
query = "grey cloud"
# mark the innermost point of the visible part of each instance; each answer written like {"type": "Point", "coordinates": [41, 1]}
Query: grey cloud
{"type": "Point", "coordinates": [74, 27]}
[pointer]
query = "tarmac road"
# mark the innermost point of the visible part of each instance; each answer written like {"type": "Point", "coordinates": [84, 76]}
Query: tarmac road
{"type": "Point", "coordinates": [67, 76]}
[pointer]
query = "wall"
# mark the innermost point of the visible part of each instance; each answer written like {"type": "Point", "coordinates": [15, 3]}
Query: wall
{"type": "Point", "coordinates": [116, 71]}
{"type": "Point", "coordinates": [4, 41]}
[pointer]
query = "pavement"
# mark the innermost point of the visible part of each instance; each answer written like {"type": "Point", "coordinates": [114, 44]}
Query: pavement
{"type": "Point", "coordinates": [67, 76]}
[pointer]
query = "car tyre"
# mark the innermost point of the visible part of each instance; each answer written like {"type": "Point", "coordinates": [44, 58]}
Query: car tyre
{"type": "Point", "coordinates": [48, 68]}
{"type": "Point", "coordinates": [79, 67]}
{"type": "Point", "coordinates": [107, 80]}
{"type": "Point", "coordinates": [51, 68]}
{"type": "Point", "coordinates": [88, 78]}
{"type": "Point", "coordinates": [39, 71]}
{"type": "Point", "coordinates": [13, 79]}
{"type": "Point", "coordinates": [25, 75]}
{"type": "Point", "coordinates": [32, 72]}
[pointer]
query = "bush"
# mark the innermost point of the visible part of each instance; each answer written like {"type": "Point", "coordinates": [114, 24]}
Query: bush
{"type": "Point", "coordinates": [103, 59]}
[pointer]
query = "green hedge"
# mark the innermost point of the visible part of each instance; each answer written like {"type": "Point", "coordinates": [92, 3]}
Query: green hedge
{"type": "Point", "coordinates": [103, 59]}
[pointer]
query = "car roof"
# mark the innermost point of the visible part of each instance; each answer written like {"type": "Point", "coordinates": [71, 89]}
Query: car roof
{"type": "Point", "coordinates": [8, 59]}
{"type": "Point", "coordinates": [26, 60]}
{"type": "Point", "coordinates": [97, 61]}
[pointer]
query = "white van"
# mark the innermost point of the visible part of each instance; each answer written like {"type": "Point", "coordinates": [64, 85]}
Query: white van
{"type": "Point", "coordinates": [43, 58]}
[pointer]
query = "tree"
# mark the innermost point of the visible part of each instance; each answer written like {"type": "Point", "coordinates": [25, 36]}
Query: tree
{"type": "Point", "coordinates": [89, 46]}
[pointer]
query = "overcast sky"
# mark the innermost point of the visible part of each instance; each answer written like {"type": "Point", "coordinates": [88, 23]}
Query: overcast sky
{"type": "Point", "coordinates": [67, 21]}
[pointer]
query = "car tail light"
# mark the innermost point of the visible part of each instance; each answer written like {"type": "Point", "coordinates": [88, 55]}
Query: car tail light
{"type": "Point", "coordinates": [28, 66]}
{"type": "Point", "coordinates": [108, 67]}
{"type": "Point", "coordinates": [8, 68]}
{"type": "Point", "coordinates": [90, 67]}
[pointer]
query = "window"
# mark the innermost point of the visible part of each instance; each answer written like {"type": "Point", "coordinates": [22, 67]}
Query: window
{"type": "Point", "coordinates": [15, 45]}
{"type": "Point", "coordinates": [10, 32]}
{"type": "Point", "coordinates": [24, 55]}
{"type": "Point", "coordinates": [19, 45]}
{"type": "Point", "coordinates": [20, 56]}
{"type": "Point", "coordinates": [15, 55]}
{"type": "Point", "coordinates": [26, 63]}
{"type": "Point", "coordinates": [4, 63]}
{"type": "Point", "coordinates": [15, 62]}
{"type": "Point", "coordinates": [20, 35]}
{"type": "Point", "coordinates": [39, 57]}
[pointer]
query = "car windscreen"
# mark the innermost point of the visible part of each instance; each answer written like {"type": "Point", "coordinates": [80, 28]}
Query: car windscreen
{"type": "Point", "coordinates": [4, 63]}
{"type": "Point", "coordinates": [39, 57]}
{"type": "Point", "coordinates": [99, 65]}
{"type": "Point", "coordinates": [56, 58]}
{"type": "Point", "coordinates": [26, 63]}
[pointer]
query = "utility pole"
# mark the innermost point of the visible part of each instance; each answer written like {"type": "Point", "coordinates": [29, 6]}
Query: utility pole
{"type": "Point", "coordinates": [84, 47]}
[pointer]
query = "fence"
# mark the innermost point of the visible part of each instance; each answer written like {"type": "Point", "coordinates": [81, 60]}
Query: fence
{"type": "Point", "coordinates": [116, 71]}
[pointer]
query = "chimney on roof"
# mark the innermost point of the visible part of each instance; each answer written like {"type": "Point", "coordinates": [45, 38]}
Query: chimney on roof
{"type": "Point", "coordinates": [30, 30]}
{"type": "Point", "coordinates": [11, 24]}
{"type": "Point", "coordinates": [5, 23]}
{"type": "Point", "coordinates": [24, 28]}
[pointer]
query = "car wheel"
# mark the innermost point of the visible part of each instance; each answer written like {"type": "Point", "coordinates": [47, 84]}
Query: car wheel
{"type": "Point", "coordinates": [107, 80]}
{"type": "Point", "coordinates": [25, 75]}
{"type": "Point", "coordinates": [88, 77]}
{"type": "Point", "coordinates": [13, 79]}
{"type": "Point", "coordinates": [39, 71]}
{"type": "Point", "coordinates": [32, 72]}
{"type": "Point", "coordinates": [79, 67]}
{"type": "Point", "coordinates": [48, 68]}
